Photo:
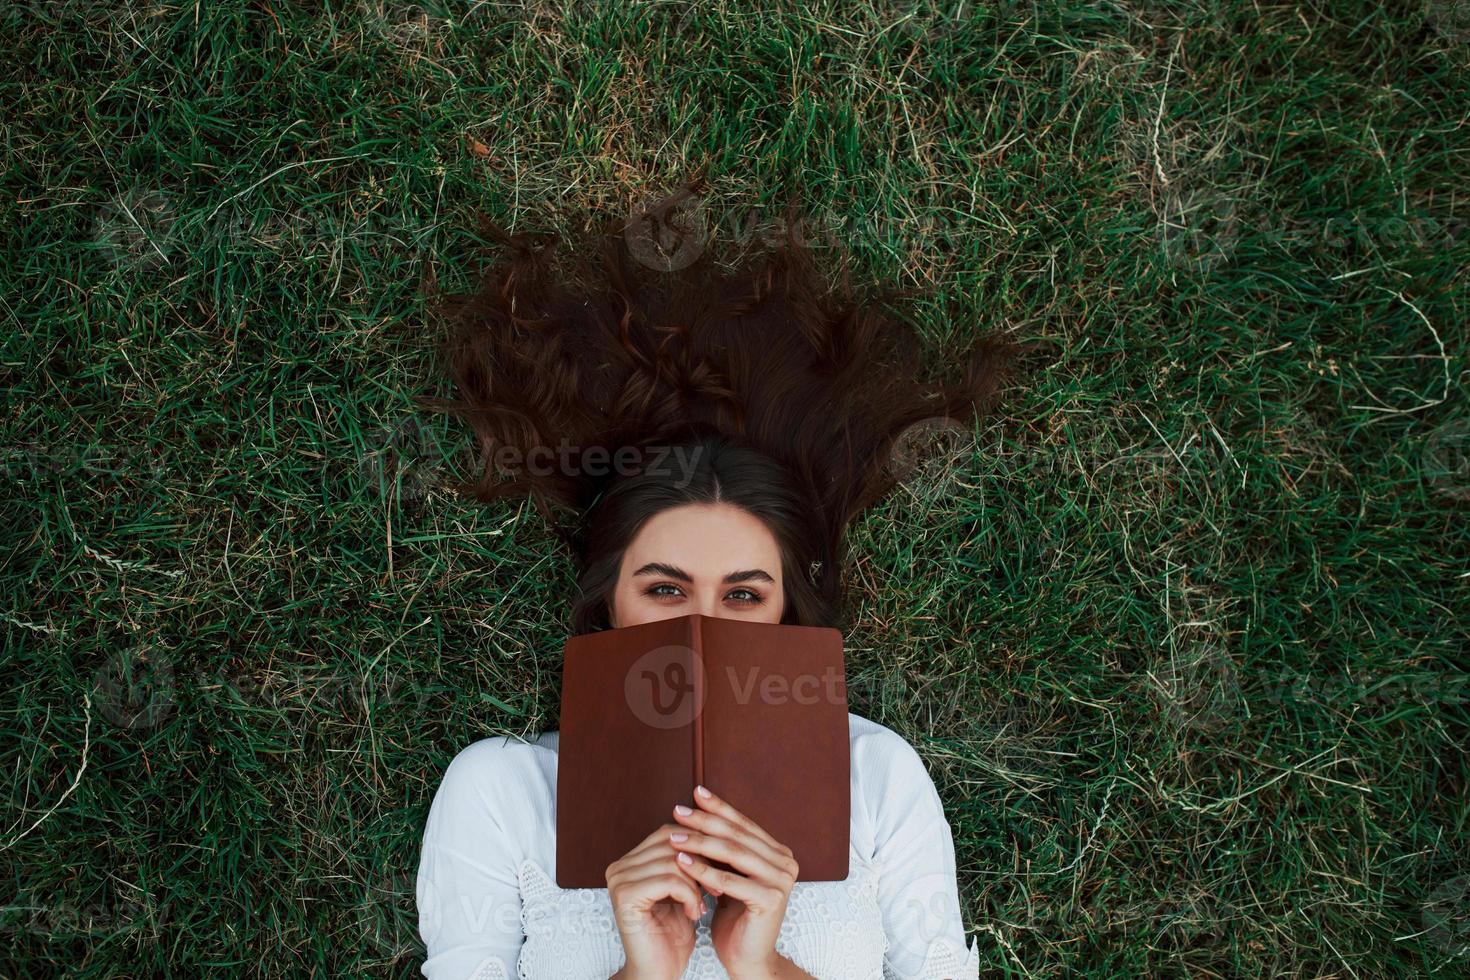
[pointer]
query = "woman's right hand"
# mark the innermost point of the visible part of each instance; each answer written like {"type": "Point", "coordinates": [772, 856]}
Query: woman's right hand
{"type": "Point", "coordinates": [656, 904]}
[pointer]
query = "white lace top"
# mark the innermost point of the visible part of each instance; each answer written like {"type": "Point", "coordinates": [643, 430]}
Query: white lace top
{"type": "Point", "coordinates": [489, 907]}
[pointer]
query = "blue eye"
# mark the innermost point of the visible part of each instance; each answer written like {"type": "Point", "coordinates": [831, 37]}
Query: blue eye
{"type": "Point", "coordinates": [752, 598]}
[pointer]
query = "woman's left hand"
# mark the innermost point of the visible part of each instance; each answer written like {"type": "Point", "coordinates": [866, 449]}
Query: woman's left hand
{"type": "Point", "coordinates": [752, 899]}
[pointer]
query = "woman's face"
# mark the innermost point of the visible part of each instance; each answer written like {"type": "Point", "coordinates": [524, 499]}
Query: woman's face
{"type": "Point", "coordinates": [714, 559]}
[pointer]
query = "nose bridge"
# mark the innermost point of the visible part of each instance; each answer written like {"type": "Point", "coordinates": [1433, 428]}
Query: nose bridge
{"type": "Point", "coordinates": [707, 599]}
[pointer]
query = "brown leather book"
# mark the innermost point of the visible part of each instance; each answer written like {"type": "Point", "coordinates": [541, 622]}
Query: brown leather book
{"type": "Point", "coordinates": [755, 711]}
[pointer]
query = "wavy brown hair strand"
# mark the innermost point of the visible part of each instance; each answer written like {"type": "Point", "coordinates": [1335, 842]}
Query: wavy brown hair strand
{"type": "Point", "coordinates": [773, 360]}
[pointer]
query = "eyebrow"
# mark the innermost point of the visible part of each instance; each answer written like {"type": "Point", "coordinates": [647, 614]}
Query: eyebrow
{"type": "Point", "coordinates": [659, 568]}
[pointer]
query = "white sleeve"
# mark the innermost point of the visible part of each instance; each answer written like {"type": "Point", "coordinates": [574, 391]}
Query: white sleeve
{"type": "Point", "coordinates": [917, 887]}
{"type": "Point", "coordinates": [468, 893]}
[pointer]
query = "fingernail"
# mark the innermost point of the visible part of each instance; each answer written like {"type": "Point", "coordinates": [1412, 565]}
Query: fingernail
{"type": "Point", "coordinates": [702, 791]}
{"type": "Point", "coordinates": [678, 837]}
{"type": "Point", "coordinates": [682, 810]}
{"type": "Point", "coordinates": [685, 858]}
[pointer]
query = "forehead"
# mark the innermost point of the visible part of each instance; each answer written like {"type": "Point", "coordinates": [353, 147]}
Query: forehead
{"type": "Point", "coordinates": [705, 539]}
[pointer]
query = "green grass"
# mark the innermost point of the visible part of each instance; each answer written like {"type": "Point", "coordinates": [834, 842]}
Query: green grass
{"type": "Point", "coordinates": [1182, 639]}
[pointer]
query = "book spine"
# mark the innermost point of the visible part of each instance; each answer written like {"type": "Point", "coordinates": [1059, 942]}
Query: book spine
{"type": "Point", "coordinates": [696, 669]}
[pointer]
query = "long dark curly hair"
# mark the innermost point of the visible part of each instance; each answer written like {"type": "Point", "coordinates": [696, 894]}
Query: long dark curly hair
{"type": "Point", "coordinates": [780, 388]}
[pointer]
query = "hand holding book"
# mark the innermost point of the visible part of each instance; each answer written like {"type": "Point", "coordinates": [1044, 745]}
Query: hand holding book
{"type": "Point", "coordinates": [656, 903]}
{"type": "Point", "coordinates": [752, 897]}
{"type": "Point", "coordinates": [655, 893]}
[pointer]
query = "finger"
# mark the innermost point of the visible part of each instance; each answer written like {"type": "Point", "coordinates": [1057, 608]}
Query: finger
{"type": "Point", "coordinates": [719, 806]}
{"type": "Point", "coordinates": [654, 841]}
{"type": "Point", "coordinates": [758, 896]}
{"type": "Point", "coordinates": [717, 826]}
{"type": "Point", "coordinates": [733, 852]}
{"type": "Point", "coordinates": [645, 858]}
{"type": "Point", "coordinates": [662, 858]}
{"type": "Point", "coordinates": [643, 890]}
{"type": "Point", "coordinates": [658, 835]}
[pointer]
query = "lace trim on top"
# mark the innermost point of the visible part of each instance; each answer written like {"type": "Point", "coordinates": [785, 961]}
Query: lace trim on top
{"type": "Point", "coordinates": [492, 968]}
{"type": "Point", "coordinates": [832, 929]}
{"type": "Point", "coordinates": [943, 962]}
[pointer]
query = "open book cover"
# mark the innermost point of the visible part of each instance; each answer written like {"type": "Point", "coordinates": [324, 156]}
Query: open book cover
{"type": "Point", "coordinates": [755, 711]}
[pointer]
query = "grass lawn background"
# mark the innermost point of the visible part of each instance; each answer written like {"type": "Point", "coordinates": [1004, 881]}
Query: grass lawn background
{"type": "Point", "coordinates": [1181, 635]}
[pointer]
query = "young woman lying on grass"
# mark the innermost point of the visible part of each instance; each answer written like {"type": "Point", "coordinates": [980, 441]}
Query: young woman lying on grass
{"type": "Point", "coordinates": [702, 439]}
